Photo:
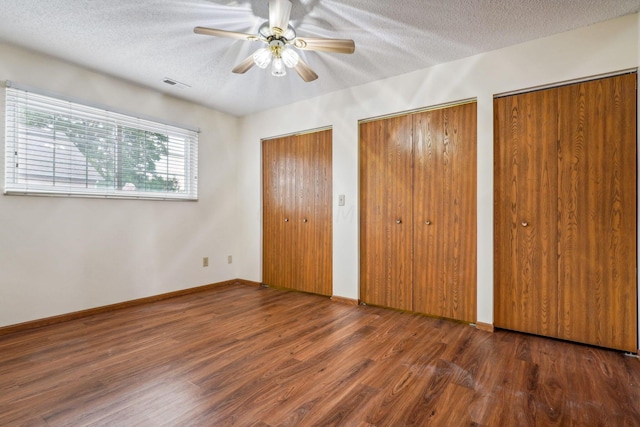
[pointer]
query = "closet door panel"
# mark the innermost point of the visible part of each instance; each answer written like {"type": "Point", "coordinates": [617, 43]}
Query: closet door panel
{"type": "Point", "coordinates": [315, 217]}
{"type": "Point", "coordinates": [323, 223]}
{"type": "Point", "coordinates": [445, 212]}
{"type": "Point", "coordinates": [270, 224]}
{"type": "Point", "coordinates": [464, 204]}
{"type": "Point", "coordinates": [525, 135]}
{"type": "Point", "coordinates": [290, 262]}
{"type": "Point", "coordinates": [305, 149]}
{"type": "Point", "coordinates": [429, 258]}
{"type": "Point", "coordinates": [597, 212]}
{"type": "Point", "coordinates": [297, 224]}
{"type": "Point", "coordinates": [279, 228]}
{"type": "Point", "coordinates": [386, 212]}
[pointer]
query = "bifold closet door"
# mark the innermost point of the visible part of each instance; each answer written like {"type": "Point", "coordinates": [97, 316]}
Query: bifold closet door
{"type": "Point", "coordinates": [597, 212]}
{"type": "Point", "coordinates": [526, 268]}
{"type": "Point", "coordinates": [386, 264]}
{"type": "Point", "coordinates": [444, 201]}
{"type": "Point", "coordinates": [566, 212]}
{"type": "Point", "coordinates": [418, 212]}
{"type": "Point", "coordinates": [297, 219]}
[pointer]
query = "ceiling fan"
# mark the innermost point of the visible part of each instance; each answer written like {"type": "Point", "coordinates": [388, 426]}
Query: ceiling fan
{"type": "Point", "coordinates": [279, 36]}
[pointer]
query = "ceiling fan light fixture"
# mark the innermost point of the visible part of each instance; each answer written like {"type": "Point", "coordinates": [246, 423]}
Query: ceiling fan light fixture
{"type": "Point", "coordinates": [262, 57]}
{"type": "Point", "coordinates": [277, 34]}
{"type": "Point", "coordinates": [277, 67]}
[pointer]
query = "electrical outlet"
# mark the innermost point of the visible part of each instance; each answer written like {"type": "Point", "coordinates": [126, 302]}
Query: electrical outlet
{"type": "Point", "coordinates": [229, 259]}
{"type": "Point", "coordinates": [205, 261]}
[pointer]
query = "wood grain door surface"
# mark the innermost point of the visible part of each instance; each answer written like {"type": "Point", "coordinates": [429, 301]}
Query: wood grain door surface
{"type": "Point", "coordinates": [597, 212]}
{"type": "Point", "coordinates": [297, 191]}
{"type": "Point", "coordinates": [565, 231]}
{"type": "Point", "coordinates": [418, 212]}
{"type": "Point", "coordinates": [526, 267]}
{"type": "Point", "coordinates": [314, 212]}
{"type": "Point", "coordinates": [444, 203]}
{"type": "Point", "coordinates": [386, 261]}
{"type": "Point", "coordinates": [278, 164]}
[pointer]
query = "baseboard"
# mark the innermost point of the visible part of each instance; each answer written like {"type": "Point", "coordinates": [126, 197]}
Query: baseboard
{"type": "Point", "coordinates": [344, 300]}
{"type": "Point", "coordinates": [5, 330]}
{"type": "Point", "coordinates": [247, 282]}
{"type": "Point", "coordinates": [487, 327]}
{"type": "Point", "coordinates": [10, 329]}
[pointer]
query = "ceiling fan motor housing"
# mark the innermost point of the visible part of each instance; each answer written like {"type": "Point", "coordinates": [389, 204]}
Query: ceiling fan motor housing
{"type": "Point", "coordinates": [276, 45]}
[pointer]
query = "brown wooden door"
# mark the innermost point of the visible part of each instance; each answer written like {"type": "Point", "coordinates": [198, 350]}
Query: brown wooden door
{"type": "Point", "coordinates": [597, 212]}
{"type": "Point", "coordinates": [565, 192]}
{"type": "Point", "coordinates": [386, 213]}
{"type": "Point", "coordinates": [525, 132]}
{"type": "Point", "coordinates": [444, 201]}
{"type": "Point", "coordinates": [314, 213]}
{"type": "Point", "coordinates": [279, 210]}
{"type": "Point", "coordinates": [297, 215]}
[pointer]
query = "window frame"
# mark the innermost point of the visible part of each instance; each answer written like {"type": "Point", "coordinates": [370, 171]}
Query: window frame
{"type": "Point", "coordinates": [142, 142]}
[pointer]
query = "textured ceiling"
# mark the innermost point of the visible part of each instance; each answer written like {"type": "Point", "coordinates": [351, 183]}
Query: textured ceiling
{"type": "Point", "coordinates": [144, 41]}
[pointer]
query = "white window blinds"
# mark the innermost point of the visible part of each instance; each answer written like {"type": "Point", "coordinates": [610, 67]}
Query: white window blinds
{"type": "Point", "coordinates": [54, 146]}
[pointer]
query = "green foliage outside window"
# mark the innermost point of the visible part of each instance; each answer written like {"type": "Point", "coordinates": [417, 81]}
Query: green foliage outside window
{"type": "Point", "coordinates": [121, 155]}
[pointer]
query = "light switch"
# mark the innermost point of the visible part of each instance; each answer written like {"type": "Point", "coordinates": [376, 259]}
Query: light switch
{"type": "Point", "coordinates": [341, 200]}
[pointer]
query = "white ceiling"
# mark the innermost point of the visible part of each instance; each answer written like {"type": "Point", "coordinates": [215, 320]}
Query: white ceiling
{"type": "Point", "coordinates": [144, 41]}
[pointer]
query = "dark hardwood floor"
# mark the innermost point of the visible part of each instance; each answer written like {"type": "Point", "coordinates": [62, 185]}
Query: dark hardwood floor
{"type": "Point", "coordinates": [248, 356]}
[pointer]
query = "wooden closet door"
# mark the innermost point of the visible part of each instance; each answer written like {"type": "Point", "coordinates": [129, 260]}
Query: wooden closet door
{"type": "Point", "coordinates": [445, 212]}
{"type": "Point", "coordinates": [314, 216]}
{"type": "Point", "coordinates": [597, 212]}
{"type": "Point", "coordinates": [525, 134]}
{"type": "Point", "coordinates": [279, 258]}
{"type": "Point", "coordinates": [386, 212]}
{"type": "Point", "coordinates": [297, 215]}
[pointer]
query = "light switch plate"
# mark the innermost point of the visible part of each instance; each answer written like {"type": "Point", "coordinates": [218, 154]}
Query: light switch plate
{"type": "Point", "coordinates": [341, 200]}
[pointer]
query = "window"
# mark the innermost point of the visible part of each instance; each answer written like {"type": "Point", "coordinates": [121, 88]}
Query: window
{"type": "Point", "coordinates": [54, 146]}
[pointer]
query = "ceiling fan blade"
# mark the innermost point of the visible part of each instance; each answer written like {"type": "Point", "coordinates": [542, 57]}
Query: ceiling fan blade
{"type": "Point", "coordinates": [325, 45]}
{"type": "Point", "coordinates": [279, 13]}
{"type": "Point", "coordinates": [244, 66]}
{"type": "Point", "coordinates": [304, 71]}
{"type": "Point", "coordinates": [225, 33]}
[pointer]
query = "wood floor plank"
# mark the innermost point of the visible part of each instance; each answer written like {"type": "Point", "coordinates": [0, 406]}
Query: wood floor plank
{"type": "Point", "coordinates": [248, 356]}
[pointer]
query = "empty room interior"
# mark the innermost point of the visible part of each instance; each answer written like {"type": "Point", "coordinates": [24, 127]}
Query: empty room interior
{"type": "Point", "coordinates": [310, 212]}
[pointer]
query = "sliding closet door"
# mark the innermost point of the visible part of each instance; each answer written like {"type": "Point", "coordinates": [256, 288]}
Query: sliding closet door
{"type": "Point", "coordinates": [297, 218]}
{"type": "Point", "coordinates": [597, 212]}
{"type": "Point", "coordinates": [525, 132]}
{"type": "Point", "coordinates": [386, 212]}
{"type": "Point", "coordinates": [445, 212]}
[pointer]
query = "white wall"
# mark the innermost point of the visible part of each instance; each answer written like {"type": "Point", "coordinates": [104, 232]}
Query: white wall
{"type": "Point", "coordinates": [59, 255]}
{"type": "Point", "coordinates": [598, 49]}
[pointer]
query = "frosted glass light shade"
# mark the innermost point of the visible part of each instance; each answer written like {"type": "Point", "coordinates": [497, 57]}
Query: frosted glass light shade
{"type": "Point", "coordinates": [277, 67]}
{"type": "Point", "coordinates": [262, 57]}
{"type": "Point", "coordinates": [290, 57]}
